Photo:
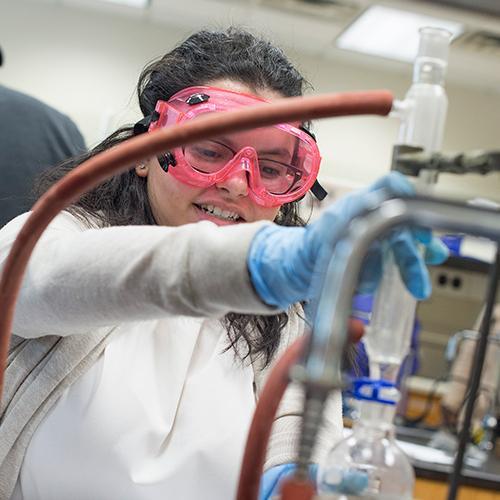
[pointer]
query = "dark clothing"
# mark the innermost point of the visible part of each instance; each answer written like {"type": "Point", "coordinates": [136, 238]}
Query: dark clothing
{"type": "Point", "coordinates": [33, 136]}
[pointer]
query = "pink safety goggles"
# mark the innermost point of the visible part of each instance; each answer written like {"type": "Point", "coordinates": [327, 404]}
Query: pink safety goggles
{"type": "Point", "coordinates": [281, 162]}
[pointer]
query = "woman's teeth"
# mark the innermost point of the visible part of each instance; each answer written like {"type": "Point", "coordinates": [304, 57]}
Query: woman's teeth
{"type": "Point", "coordinates": [218, 212]}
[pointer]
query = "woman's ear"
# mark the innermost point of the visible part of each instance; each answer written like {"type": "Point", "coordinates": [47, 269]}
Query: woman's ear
{"type": "Point", "coordinates": [142, 169]}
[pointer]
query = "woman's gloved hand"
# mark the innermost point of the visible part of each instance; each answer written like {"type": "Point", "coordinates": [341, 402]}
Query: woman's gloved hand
{"type": "Point", "coordinates": [348, 482]}
{"type": "Point", "coordinates": [281, 259]}
{"type": "Point", "coordinates": [272, 478]}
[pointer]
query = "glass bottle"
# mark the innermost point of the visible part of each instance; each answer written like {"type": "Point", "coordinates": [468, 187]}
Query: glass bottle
{"type": "Point", "coordinates": [369, 464]}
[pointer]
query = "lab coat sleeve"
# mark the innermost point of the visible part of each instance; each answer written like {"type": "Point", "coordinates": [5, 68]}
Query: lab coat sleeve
{"type": "Point", "coordinates": [284, 439]}
{"type": "Point", "coordinates": [80, 278]}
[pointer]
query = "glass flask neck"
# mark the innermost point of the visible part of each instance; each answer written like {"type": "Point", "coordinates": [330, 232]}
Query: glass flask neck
{"type": "Point", "coordinates": [429, 70]}
{"type": "Point", "coordinates": [375, 420]}
{"type": "Point", "coordinates": [432, 58]}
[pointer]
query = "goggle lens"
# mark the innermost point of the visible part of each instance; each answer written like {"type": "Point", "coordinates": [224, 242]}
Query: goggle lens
{"type": "Point", "coordinates": [282, 158]}
{"type": "Point", "coordinates": [281, 161]}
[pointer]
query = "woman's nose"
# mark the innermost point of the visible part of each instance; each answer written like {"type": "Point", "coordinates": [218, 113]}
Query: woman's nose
{"type": "Point", "coordinates": [235, 184]}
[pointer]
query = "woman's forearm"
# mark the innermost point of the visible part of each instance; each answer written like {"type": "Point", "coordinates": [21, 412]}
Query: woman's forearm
{"type": "Point", "coordinates": [80, 279]}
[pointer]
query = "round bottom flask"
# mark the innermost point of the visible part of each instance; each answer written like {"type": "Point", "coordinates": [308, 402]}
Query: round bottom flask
{"type": "Point", "coordinates": [368, 464]}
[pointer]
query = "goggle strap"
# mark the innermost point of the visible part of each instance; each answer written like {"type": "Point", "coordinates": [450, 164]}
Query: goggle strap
{"type": "Point", "coordinates": [308, 132]}
{"type": "Point", "coordinates": [142, 126]}
{"type": "Point", "coordinates": [319, 191]}
{"type": "Point", "coordinates": [166, 160]}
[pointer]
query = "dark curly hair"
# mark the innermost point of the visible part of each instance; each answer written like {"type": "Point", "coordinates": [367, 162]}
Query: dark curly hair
{"type": "Point", "coordinates": [205, 56]}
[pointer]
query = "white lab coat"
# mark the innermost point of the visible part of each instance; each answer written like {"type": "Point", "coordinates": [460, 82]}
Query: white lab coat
{"type": "Point", "coordinates": [162, 411]}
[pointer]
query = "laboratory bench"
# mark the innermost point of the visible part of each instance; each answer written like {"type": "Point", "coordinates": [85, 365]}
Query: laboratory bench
{"type": "Point", "coordinates": [481, 483]}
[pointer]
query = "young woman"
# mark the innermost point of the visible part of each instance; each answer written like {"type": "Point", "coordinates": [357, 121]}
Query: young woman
{"type": "Point", "coordinates": [153, 307]}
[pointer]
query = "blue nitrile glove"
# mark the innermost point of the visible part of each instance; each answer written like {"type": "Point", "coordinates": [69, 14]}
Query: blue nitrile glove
{"type": "Point", "coordinates": [346, 481]}
{"type": "Point", "coordinates": [350, 481]}
{"type": "Point", "coordinates": [403, 244]}
{"type": "Point", "coordinates": [281, 259]}
{"type": "Point", "coordinates": [272, 478]}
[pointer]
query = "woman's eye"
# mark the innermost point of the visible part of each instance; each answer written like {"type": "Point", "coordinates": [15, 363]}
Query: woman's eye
{"type": "Point", "coordinates": [270, 169]}
{"type": "Point", "coordinates": [207, 153]}
{"type": "Point", "coordinates": [269, 172]}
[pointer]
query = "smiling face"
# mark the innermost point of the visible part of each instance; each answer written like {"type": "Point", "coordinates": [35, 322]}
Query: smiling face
{"type": "Point", "coordinates": [227, 202]}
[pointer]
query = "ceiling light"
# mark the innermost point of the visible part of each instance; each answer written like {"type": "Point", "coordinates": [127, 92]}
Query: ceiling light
{"type": "Point", "coordinates": [140, 4]}
{"type": "Point", "coordinates": [392, 33]}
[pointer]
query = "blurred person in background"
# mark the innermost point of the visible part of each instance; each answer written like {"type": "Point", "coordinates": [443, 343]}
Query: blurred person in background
{"type": "Point", "coordinates": [33, 136]}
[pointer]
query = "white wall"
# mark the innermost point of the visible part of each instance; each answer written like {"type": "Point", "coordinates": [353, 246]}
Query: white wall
{"type": "Point", "coordinates": [359, 148]}
{"type": "Point", "coordinates": [86, 64]}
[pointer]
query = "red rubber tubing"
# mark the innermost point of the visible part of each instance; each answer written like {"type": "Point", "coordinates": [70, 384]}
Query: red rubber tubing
{"type": "Point", "coordinates": [263, 418]}
{"type": "Point", "coordinates": [124, 156]}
